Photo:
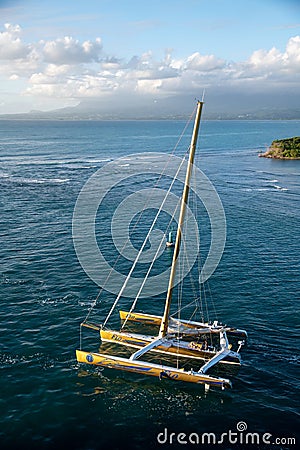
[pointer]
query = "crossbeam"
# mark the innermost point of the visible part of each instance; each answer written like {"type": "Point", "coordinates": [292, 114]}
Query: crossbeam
{"type": "Point", "coordinates": [146, 349]}
{"type": "Point", "coordinates": [214, 360]}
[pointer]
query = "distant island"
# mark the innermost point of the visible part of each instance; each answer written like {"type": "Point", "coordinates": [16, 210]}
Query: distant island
{"type": "Point", "coordinates": [283, 149]}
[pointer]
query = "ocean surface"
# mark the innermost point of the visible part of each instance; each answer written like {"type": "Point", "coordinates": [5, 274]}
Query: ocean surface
{"type": "Point", "coordinates": [47, 400]}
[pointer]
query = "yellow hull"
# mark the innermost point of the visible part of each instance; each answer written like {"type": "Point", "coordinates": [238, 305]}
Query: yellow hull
{"type": "Point", "coordinates": [151, 319]}
{"type": "Point", "coordinates": [141, 318]}
{"type": "Point", "coordinates": [169, 347]}
{"type": "Point", "coordinates": [145, 368]}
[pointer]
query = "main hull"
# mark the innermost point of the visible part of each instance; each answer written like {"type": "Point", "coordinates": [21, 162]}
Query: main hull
{"type": "Point", "coordinates": [151, 319]}
{"type": "Point", "coordinates": [169, 347]}
{"type": "Point", "coordinates": [146, 368]}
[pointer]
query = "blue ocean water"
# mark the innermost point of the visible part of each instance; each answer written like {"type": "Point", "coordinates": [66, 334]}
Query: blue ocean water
{"type": "Point", "coordinates": [47, 400]}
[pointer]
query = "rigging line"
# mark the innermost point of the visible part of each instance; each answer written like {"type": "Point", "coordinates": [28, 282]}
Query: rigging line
{"type": "Point", "coordinates": [140, 215]}
{"type": "Point", "coordinates": [212, 299]}
{"type": "Point", "coordinates": [184, 307]}
{"type": "Point", "coordinates": [196, 301]}
{"type": "Point", "coordinates": [202, 285]}
{"type": "Point", "coordinates": [192, 281]}
{"type": "Point", "coordinates": [180, 292]}
{"type": "Point", "coordinates": [202, 290]}
{"type": "Point", "coordinates": [179, 297]}
{"type": "Point", "coordinates": [194, 312]}
{"type": "Point", "coordinates": [143, 246]}
{"type": "Point", "coordinates": [206, 304]}
{"type": "Point", "coordinates": [195, 205]}
{"type": "Point", "coordinates": [193, 285]}
{"type": "Point", "coordinates": [200, 302]}
{"type": "Point", "coordinates": [193, 288]}
{"type": "Point", "coordinates": [181, 263]}
{"type": "Point", "coordinates": [80, 337]}
{"type": "Point", "coordinates": [186, 261]}
{"type": "Point", "coordinates": [150, 268]}
{"type": "Point", "coordinates": [92, 306]}
{"type": "Point", "coordinates": [203, 297]}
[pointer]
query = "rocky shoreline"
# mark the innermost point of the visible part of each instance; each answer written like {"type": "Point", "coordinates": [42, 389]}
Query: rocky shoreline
{"type": "Point", "coordinates": [283, 149]}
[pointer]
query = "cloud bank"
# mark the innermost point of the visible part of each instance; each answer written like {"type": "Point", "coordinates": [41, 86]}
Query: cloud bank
{"type": "Point", "coordinates": [66, 68]}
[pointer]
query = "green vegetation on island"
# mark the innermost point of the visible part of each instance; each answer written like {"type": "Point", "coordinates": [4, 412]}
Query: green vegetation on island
{"type": "Point", "coordinates": [284, 149]}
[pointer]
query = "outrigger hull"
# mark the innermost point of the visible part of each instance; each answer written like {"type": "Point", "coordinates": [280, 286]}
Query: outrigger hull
{"type": "Point", "coordinates": [169, 347]}
{"type": "Point", "coordinates": [146, 368]}
{"type": "Point", "coordinates": [151, 319]}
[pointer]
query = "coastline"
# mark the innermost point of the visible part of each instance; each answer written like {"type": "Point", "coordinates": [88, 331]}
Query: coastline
{"type": "Point", "coordinates": [270, 156]}
{"type": "Point", "coordinates": [288, 148]}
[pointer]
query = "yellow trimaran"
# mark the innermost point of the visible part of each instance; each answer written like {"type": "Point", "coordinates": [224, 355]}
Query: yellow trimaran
{"type": "Point", "coordinates": [166, 342]}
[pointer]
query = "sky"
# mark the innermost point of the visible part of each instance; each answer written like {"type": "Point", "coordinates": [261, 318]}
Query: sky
{"type": "Point", "coordinates": [139, 53]}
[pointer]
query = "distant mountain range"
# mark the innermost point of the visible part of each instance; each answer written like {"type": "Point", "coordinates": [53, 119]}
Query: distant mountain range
{"type": "Point", "coordinates": [219, 106]}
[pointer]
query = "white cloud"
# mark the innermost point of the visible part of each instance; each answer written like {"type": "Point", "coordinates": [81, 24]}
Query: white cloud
{"type": "Point", "coordinates": [70, 51]}
{"type": "Point", "coordinates": [11, 46]}
{"type": "Point", "coordinates": [293, 51]}
{"type": "Point", "coordinates": [271, 67]}
{"type": "Point", "coordinates": [17, 59]}
{"type": "Point", "coordinates": [66, 68]}
{"type": "Point", "coordinates": [204, 63]}
{"type": "Point", "coordinates": [266, 59]}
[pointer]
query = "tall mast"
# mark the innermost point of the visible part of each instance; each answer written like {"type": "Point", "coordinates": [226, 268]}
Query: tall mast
{"type": "Point", "coordinates": [165, 319]}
